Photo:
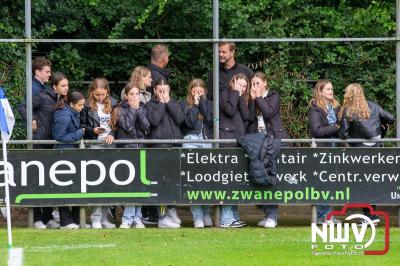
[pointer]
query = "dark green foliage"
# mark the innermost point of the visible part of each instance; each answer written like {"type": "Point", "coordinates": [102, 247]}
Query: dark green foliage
{"type": "Point", "coordinates": [291, 67]}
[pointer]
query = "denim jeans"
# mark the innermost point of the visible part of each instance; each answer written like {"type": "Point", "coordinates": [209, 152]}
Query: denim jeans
{"type": "Point", "coordinates": [98, 214]}
{"type": "Point", "coordinates": [130, 213]}
{"type": "Point", "coordinates": [227, 216]}
{"type": "Point", "coordinates": [271, 212]}
{"type": "Point", "coordinates": [195, 145]}
{"type": "Point", "coordinates": [199, 211]}
{"type": "Point", "coordinates": [322, 211]}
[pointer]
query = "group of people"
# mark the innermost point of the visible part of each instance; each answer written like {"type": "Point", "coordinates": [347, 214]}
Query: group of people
{"type": "Point", "coordinates": [148, 110]}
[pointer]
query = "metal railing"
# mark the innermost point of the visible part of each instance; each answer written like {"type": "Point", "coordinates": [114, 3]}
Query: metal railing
{"type": "Point", "coordinates": [215, 40]}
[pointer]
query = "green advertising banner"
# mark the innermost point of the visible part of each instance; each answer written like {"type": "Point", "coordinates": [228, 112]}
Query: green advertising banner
{"type": "Point", "coordinates": [199, 176]}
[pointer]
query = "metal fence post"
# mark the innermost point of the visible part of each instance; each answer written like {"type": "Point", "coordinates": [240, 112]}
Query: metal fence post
{"type": "Point", "coordinates": [82, 210]}
{"type": "Point", "coordinates": [314, 217]}
{"type": "Point", "coordinates": [28, 74]}
{"type": "Point", "coordinates": [215, 75]}
{"type": "Point", "coordinates": [398, 80]}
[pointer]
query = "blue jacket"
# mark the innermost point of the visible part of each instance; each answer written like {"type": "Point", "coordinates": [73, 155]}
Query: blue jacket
{"type": "Point", "coordinates": [37, 86]}
{"type": "Point", "coordinates": [66, 128]}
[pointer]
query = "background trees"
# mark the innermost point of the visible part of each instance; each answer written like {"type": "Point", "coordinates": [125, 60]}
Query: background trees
{"type": "Point", "coordinates": [291, 67]}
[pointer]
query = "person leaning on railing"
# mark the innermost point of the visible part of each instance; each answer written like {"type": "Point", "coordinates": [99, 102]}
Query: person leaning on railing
{"type": "Point", "coordinates": [95, 118]}
{"type": "Point", "coordinates": [362, 119]}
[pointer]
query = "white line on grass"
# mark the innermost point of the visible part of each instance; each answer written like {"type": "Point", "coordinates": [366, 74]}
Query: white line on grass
{"type": "Point", "coordinates": [67, 247]}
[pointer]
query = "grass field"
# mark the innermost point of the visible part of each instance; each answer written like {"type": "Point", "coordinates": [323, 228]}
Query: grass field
{"type": "Point", "coordinates": [151, 246]}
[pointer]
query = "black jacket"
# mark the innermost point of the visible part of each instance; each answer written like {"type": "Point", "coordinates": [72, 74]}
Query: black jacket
{"type": "Point", "coordinates": [90, 120]}
{"type": "Point", "coordinates": [165, 120]}
{"type": "Point", "coordinates": [233, 114]}
{"type": "Point", "coordinates": [319, 125]}
{"type": "Point", "coordinates": [225, 75]}
{"type": "Point", "coordinates": [157, 73]}
{"type": "Point", "coordinates": [43, 107]}
{"type": "Point", "coordinates": [263, 152]}
{"type": "Point", "coordinates": [131, 123]}
{"type": "Point", "coordinates": [365, 129]}
{"type": "Point", "coordinates": [192, 123]}
{"type": "Point", "coordinates": [270, 109]}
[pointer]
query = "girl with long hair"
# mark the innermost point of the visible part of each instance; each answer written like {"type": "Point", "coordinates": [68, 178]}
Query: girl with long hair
{"type": "Point", "coordinates": [198, 125]}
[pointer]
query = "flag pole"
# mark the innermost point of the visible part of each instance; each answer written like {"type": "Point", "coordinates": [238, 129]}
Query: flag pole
{"type": "Point", "coordinates": [6, 181]}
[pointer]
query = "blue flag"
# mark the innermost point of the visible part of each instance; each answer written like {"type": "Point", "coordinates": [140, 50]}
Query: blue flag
{"type": "Point", "coordinates": [7, 119]}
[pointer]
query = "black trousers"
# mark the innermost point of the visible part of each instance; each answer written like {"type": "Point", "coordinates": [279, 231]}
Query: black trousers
{"type": "Point", "coordinates": [67, 216]}
{"type": "Point", "coordinates": [43, 214]}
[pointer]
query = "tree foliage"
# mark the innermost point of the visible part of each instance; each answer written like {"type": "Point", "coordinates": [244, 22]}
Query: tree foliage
{"type": "Point", "coordinates": [290, 66]}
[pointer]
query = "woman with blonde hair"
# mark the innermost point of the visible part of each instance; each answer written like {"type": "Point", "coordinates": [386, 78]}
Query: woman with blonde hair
{"type": "Point", "coordinates": [362, 119]}
{"type": "Point", "coordinates": [322, 118]}
{"type": "Point", "coordinates": [141, 77]}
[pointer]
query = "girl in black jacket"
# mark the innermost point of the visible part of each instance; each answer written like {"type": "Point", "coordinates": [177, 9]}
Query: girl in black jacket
{"type": "Point", "coordinates": [95, 118]}
{"type": "Point", "coordinates": [165, 117]}
{"type": "Point", "coordinates": [265, 112]}
{"type": "Point", "coordinates": [129, 117]}
{"type": "Point", "coordinates": [234, 116]}
{"type": "Point", "coordinates": [322, 118]}
{"type": "Point", "coordinates": [198, 125]}
{"type": "Point", "coordinates": [129, 120]}
{"type": "Point", "coordinates": [362, 119]}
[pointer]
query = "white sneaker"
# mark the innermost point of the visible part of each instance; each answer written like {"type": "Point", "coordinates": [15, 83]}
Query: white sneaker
{"type": "Point", "coordinates": [56, 216]}
{"type": "Point", "coordinates": [96, 225]}
{"type": "Point", "coordinates": [173, 215]}
{"type": "Point", "coordinates": [86, 226]}
{"type": "Point", "coordinates": [262, 222]}
{"type": "Point", "coordinates": [167, 222]}
{"type": "Point", "coordinates": [138, 223]}
{"type": "Point", "coordinates": [70, 227]}
{"type": "Point", "coordinates": [52, 224]}
{"type": "Point", "coordinates": [207, 221]}
{"type": "Point", "coordinates": [3, 212]}
{"type": "Point", "coordinates": [198, 223]}
{"type": "Point", "coordinates": [125, 225]}
{"type": "Point", "coordinates": [39, 225]}
{"type": "Point", "coordinates": [270, 223]}
{"type": "Point", "coordinates": [107, 224]}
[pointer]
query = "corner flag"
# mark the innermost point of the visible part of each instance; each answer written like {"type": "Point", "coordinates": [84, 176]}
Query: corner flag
{"type": "Point", "coordinates": [7, 119]}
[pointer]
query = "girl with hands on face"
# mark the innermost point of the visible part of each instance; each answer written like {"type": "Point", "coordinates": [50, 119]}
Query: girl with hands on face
{"type": "Point", "coordinates": [265, 109]}
{"type": "Point", "coordinates": [198, 125]}
{"type": "Point", "coordinates": [234, 115]}
{"type": "Point", "coordinates": [130, 121]}
{"type": "Point", "coordinates": [165, 117]}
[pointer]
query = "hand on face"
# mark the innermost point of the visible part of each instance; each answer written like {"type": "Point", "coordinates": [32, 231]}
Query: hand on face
{"type": "Point", "coordinates": [134, 102]}
{"type": "Point", "coordinates": [163, 94]}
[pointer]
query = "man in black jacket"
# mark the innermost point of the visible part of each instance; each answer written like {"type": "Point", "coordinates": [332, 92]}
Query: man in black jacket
{"type": "Point", "coordinates": [159, 62]}
{"type": "Point", "coordinates": [228, 67]}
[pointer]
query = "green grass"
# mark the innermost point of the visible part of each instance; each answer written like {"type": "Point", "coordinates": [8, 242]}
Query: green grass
{"type": "Point", "coordinates": [151, 246]}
